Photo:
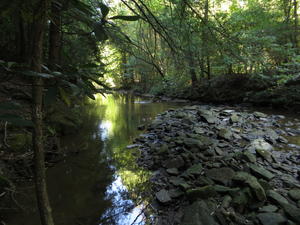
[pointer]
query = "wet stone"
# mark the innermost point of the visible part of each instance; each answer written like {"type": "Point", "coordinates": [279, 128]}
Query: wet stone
{"type": "Point", "coordinates": [265, 155]}
{"type": "Point", "coordinates": [208, 116]}
{"type": "Point", "coordinates": [279, 199]}
{"type": "Point", "coordinates": [223, 175]}
{"type": "Point", "coordinates": [174, 163]}
{"type": "Point", "coordinates": [173, 171]}
{"type": "Point", "coordinates": [198, 214]}
{"type": "Point", "coordinates": [268, 208]}
{"type": "Point", "coordinates": [176, 181]}
{"type": "Point", "coordinates": [225, 134]}
{"type": "Point", "coordinates": [235, 118]}
{"type": "Point", "coordinates": [195, 169]}
{"type": "Point", "coordinates": [271, 219]}
{"type": "Point", "coordinates": [194, 143]}
{"type": "Point", "coordinates": [201, 192]}
{"type": "Point", "coordinates": [175, 193]}
{"type": "Point", "coordinates": [259, 114]}
{"type": "Point", "coordinates": [163, 196]}
{"type": "Point", "coordinates": [249, 157]}
{"type": "Point", "coordinates": [260, 145]}
{"type": "Point", "coordinates": [294, 194]}
{"type": "Point", "coordinates": [261, 172]}
{"type": "Point", "coordinates": [252, 182]}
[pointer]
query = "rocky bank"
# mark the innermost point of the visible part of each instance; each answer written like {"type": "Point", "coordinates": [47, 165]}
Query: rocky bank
{"type": "Point", "coordinates": [217, 166]}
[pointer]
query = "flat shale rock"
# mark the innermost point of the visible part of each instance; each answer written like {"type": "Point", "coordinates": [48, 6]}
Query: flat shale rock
{"type": "Point", "coordinates": [163, 196]}
{"type": "Point", "coordinates": [223, 175]}
{"type": "Point", "coordinates": [271, 219]}
{"type": "Point", "coordinates": [261, 172]}
{"type": "Point", "coordinates": [198, 214]}
{"type": "Point", "coordinates": [295, 194]}
{"type": "Point", "coordinates": [221, 166]}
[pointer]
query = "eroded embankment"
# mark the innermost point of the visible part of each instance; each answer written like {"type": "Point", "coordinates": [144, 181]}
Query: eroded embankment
{"type": "Point", "coordinates": [216, 166]}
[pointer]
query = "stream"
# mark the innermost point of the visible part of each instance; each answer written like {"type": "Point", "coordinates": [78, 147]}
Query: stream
{"type": "Point", "coordinates": [101, 183]}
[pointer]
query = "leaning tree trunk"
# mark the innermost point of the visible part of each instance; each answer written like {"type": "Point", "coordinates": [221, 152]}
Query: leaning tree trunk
{"type": "Point", "coordinates": [37, 114]}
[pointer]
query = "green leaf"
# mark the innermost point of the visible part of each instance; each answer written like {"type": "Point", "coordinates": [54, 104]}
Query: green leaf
{"type": "Point", "coordinates": [16, 120]}
{"type": "Point", "coordinates": [9, 106]}
{"type": "Point", "coordinates": [57, 74]}
{"type": "Point", "coordinates": [65, 96]}
{"type": "Point", "coordinates": [104, 9]}
{"type": "Point", "coordinates": [35, 74]}
{"type": "Point", "coordinates": [127, 18]}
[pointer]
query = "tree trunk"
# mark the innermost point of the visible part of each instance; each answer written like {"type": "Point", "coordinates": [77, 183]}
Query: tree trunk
{"type": "Point", "coordinates": [295, 3]}
{"type": "Point", "coordinates": [55, 36]}
{"type": "Point", "coordinates": [192, 70]}
{"type": "Point", "coordinates": [37, 115]}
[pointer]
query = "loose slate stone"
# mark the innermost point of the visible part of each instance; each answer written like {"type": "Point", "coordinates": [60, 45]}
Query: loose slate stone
{"type": "Point", "coordinates": [208, 116]}
{"type": "Point", "coordinates": [292, 211]}
{"type": "Point", "coordinates": [163, 196]}
{"type": "Point", "coordinates": [225, 134]}
{"type": "Point", "coordinates": [174, 163]}
{"type": "Point", "coordinates": [260, 171]}
{"type": "Point", "coordinates": [175, 193]}
{"type": "Point", "coordinates": [235, 118]}
{"type": "Point", "coordinates": [201, 192]}
{"type": "Point", "coordinates": [223, 175]}
{"type": "Point", "coordinates": [271, 219]}
{"type": "Point", "coordinates": [195, 169]}
{"type": "Point", "coordinates": [260, 145]}
{"type": "Point", "coordinates": [252, 182]}
{"type": "Point", "coordinates": [194, 143]}
{"type": "Point", "coordinates": [259, 114]}
{"type": "Point", "coordinates": [198, 214]}
{"type": "Point", "coordinates": [265, 154]}
{"type": "Point", "coordinates": [279, 199]}
{"type": "Point", "coordinates": [295, 194]}
{"type": "Point", "coordinates": [268, 208]}
{"type": "Point", "coordinates": [173, 171]}
{"type": "Point", "coordinates": [249, 157]}
{"type": "Point", "coordinates": [176, 181]}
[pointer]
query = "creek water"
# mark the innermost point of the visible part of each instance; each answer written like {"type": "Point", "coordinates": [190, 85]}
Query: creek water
{"type": "Point", "coordinates": [102, 183]}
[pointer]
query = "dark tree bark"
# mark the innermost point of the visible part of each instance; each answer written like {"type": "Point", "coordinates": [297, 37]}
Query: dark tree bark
{"type": "Point", "coordinates": [55, 36]}
{"type": "Point", "coordinates": [38, 30]}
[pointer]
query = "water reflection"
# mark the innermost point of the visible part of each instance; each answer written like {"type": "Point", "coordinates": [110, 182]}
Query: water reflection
{"type": "Point", "coordinates": [102, 184]}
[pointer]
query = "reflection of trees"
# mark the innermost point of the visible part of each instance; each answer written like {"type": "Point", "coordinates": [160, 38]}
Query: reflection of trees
{"type": "Point", "coordinates": [85, 190]}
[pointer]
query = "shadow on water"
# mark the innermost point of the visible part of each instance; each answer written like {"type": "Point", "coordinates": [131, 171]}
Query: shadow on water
{"type": "Point", "coordinates": [102, 183]}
